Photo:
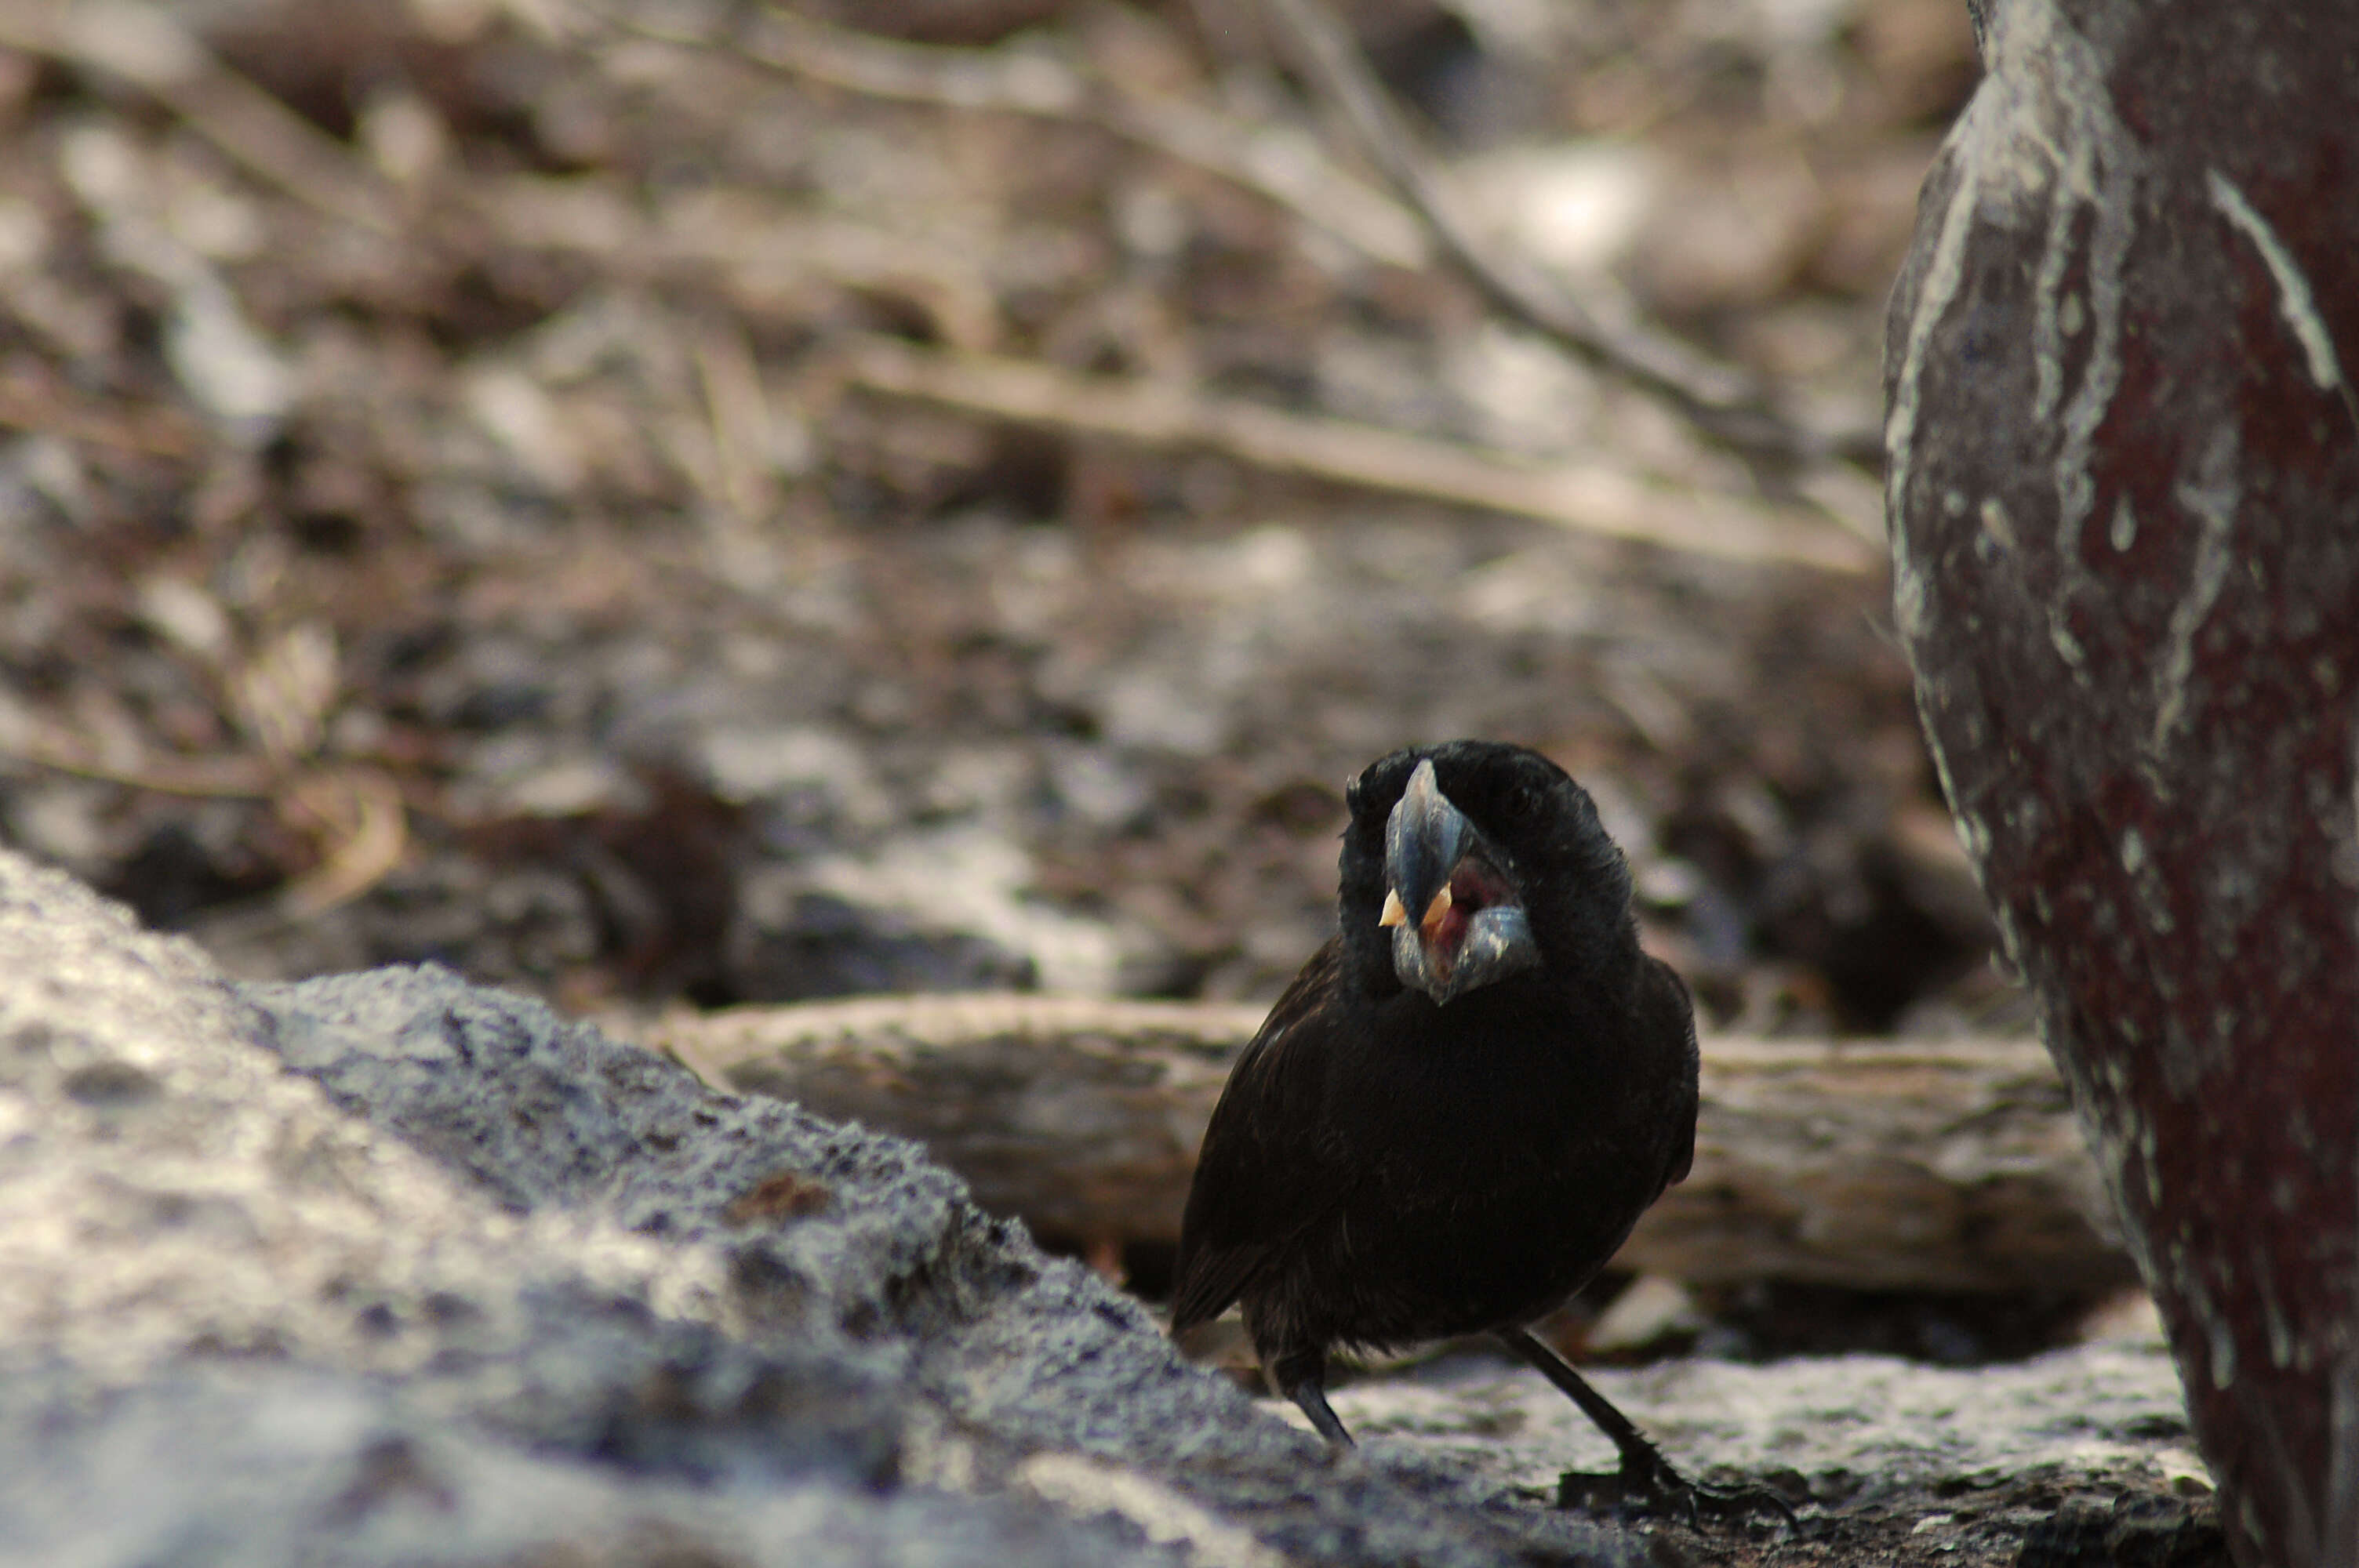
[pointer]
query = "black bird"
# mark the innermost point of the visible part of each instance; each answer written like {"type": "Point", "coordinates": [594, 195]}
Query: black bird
{"type": "Point", "coordinates": [1458, 1110]}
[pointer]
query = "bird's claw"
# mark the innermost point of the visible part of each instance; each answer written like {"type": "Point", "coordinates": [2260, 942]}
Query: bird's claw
{"type": "Point", "coordinates": [1647, 1484]}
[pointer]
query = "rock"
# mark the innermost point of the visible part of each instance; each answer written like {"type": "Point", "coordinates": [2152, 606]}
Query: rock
{"type": "Point", "coordinates": [2125, 1314]}
{"type": "Point", "coordinates": [1652, 1311]}
{"type": "Point", "coordinates": [2122, 478]}
{"type": "Point", "coordinates": [390, 1268]}
{"type": "Point", "coordinates": [2085, 1534]}
{"type": "Point", "coordinates": [1877, 1435]}
{"type": "Point", "coordinates": [1912, 1465]}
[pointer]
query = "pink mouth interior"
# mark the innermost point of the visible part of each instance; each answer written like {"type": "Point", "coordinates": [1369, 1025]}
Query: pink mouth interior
{"type": "Point", "coordinates": [1473, 886]}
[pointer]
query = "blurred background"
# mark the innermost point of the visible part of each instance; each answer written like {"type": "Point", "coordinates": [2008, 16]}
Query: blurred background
{"type": "Point", "coordinates": [657, 503]}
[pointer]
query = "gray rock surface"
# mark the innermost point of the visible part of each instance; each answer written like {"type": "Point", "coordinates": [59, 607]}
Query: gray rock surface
{"type": "Point", "coordinates": [389, 1267]}
{"type": "Point", "coordinates": [1863, 1430]}
{"type": "Point", "coordinates": [472, 1282]}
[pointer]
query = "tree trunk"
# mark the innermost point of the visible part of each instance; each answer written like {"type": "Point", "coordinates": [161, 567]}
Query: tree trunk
{"type": "Point", "coordinates": [2123, 494]}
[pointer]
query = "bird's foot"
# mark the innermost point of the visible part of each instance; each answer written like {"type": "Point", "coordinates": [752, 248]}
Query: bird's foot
{"type": "Point", "coordinates": [1647, 1484]}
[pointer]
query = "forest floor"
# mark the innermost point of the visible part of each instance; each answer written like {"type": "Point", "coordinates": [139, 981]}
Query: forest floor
{"type": "Point", "coordinates": [659, 504]}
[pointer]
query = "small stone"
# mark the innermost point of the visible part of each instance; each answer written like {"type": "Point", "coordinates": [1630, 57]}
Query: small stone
{"type": "Point", "coordinates": [2126, 1317]}
{"type": "Point", "coordinates": [1651, 1312]}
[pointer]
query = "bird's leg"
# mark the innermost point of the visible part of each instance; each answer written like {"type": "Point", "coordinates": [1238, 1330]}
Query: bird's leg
{"type": "Point", "coordinates": [1301, 1375]}
{"type": "Point", "coordinates": [1647, 1476]}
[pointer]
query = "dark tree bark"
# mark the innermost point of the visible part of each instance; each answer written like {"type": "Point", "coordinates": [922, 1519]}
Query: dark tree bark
{"type": "Point", "coordinates": [2123, 490]}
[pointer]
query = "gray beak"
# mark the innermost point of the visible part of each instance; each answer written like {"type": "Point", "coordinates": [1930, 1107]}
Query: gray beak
{"type": "Point", "coordinates": [1423, 838]}
{"type": "Point", "coordinates": [1446, 940]}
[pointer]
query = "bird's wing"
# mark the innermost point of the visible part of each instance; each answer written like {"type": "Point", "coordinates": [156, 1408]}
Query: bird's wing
{"type": "Point", "coordinates": [1237, 1218]}
{"type": "Point", "coordinates": [1664, 1006]}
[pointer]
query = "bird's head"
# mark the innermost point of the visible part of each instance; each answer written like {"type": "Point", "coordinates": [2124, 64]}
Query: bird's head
{"type": "Point", "coordinates": [1472, 861]}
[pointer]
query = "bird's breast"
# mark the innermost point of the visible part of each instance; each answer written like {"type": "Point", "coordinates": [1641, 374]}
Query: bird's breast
{"type": "Point", "coordinates": [1519, 1153]}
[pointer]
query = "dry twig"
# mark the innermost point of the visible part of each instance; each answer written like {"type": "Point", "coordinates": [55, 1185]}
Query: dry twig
{"type": "Point", "coordinates": [358, 816]}
{"type": "Point", "coordinates": [1594, 498]}
{"type": "Point", "coordinates": [279, 700]}
{"type": "Point", "coordinates": [149, 46]}
{"type": "Point", "coordinates": [149, 431]}
{"type": "Point", "coordinates": [1726, 404]}
{"type": "Point", "coordinates": [1030, 82]}
{"type": "Point", "coordinates": [242, 777]}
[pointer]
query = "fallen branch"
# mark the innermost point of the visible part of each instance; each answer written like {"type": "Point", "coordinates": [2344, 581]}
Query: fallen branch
{"type": "Point", "coordinates": [1948, 1166]}
{"type": "Point", "coordinates": [1590, 497]}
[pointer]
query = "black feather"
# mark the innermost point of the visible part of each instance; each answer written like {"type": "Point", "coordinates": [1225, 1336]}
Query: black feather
{"type": "Point", "coordinates": [1381, 1170]}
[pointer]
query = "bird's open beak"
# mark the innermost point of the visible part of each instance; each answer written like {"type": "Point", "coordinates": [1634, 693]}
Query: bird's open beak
{"type": "Point", "coordinates": [1470, 928]}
